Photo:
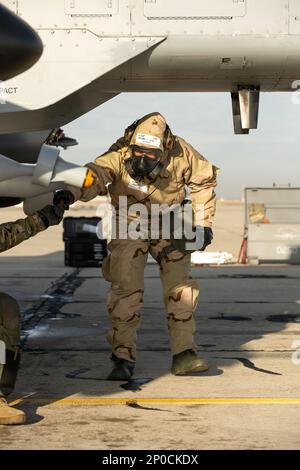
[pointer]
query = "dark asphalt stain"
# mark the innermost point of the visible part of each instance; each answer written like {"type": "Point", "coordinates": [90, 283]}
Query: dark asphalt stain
{"type": "Point", "coordinates": [134, 404]}
{"type": "Point", "coordinates": [134, 385]}
{"type": "Point", "coordinates": [50, 303]}
{"type": "Point", "coordinates": [284, 318]}
{"type": "Point", "coordinates": [68, 315]}
{"type": "Point", "coordinates": [29, 351]}
{"type": "Point", "coordinates": [207, 345]}
{"type": "Point", "coordinates": [250, 302]}
{"type": "Point", "coordinates": [250, 365]}
{"type": "Point", "coordinates": [230, 318]}
{"type": "Point", "coordinates": [254, 276]}
{"type": "Point", "coordinates": [77, 374]}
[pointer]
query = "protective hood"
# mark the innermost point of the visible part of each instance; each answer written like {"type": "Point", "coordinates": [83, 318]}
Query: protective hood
{"type": "Point", "coordinates": [150, 132]}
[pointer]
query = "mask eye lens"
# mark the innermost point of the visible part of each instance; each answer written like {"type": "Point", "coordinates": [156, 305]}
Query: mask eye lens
{"type": "Point", "coordinates": [151, 153]}
{"type": "Point", "coordinates": [138, 153]}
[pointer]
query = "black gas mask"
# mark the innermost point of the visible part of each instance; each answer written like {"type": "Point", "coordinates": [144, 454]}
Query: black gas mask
{"type": "Point", "coordinates": [141, 166]}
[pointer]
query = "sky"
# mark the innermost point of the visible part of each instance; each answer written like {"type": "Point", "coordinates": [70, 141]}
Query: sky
{"type": "Point", "coordinates": [270, 154]}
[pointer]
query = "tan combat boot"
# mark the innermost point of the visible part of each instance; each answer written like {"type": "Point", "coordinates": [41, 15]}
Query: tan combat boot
{"type": "Point", "coordinates": [9, 415]}
{"type": "Point", "coordinates": [122, 370]}
{"type": "Point", "coordinates": [188, 361]}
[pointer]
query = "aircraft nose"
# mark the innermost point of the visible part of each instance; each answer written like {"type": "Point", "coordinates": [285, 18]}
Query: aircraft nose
{"type": "Point", "coordinates": [20, 46]}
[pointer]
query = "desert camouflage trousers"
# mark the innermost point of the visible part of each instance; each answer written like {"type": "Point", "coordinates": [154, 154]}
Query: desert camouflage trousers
{"type": "Point", "coordinates": [9, 322]}
{"type": "Point", "coordinates": [124, 268]}
{"type": "Point", "coordinates": [9, 335]}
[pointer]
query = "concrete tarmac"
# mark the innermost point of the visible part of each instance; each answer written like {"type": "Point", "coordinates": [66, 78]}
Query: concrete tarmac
{"type": "Point", "coordinates": [248, 323]}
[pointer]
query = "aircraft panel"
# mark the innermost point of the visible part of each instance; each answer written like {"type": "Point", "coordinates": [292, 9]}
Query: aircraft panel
{"type": "Point", "coordinates": [264, 17]}
{"type": "Point", "coordinates": [95, 16]}
{"type": "Point", "coordinates": [91, 7]}
{"type": "Point", "coordinates": [12, 5]}
{"type": "Point", "coordinates": [72, 60]}
{"type": "Point", "coordinates": [294, 17]}
{"type": "Point", "coordinates": [166, 9]}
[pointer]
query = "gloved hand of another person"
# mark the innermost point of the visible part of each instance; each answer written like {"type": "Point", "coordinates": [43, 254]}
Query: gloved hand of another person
{"type": "Point", "coordinates": [51, 215]}
{"type": "Point", "coordinates": [63, 198]}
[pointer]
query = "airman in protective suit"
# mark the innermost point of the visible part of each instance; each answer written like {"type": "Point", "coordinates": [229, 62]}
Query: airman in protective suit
{"type": "Point", "coordinates": [150, 165]}
{"type": "Point", "coordinates": [12, 234]}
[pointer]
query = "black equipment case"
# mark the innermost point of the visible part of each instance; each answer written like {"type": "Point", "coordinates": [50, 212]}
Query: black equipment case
{"type": "Point", "coordinates": [83, 247]}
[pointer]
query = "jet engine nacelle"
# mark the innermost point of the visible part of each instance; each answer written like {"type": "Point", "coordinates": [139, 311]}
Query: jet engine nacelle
{"type": "Point", "coordinates": [20, 46]}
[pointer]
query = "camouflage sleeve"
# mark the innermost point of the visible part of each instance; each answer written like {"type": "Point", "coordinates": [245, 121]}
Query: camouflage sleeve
{"type": "Point", "coordinates": [107, 168]}
{"type": "Point", "coordinates": [201, 179]}
{"type": "Point", "coordinates": [13, 233]}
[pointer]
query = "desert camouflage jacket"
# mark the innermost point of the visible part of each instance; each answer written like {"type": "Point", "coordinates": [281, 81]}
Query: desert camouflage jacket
{"type": "Point", "coordinates": [184, 167]}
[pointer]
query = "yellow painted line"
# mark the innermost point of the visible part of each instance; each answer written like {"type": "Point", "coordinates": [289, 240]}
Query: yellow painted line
{"type": "Point", "coordinates": [108, 401]}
